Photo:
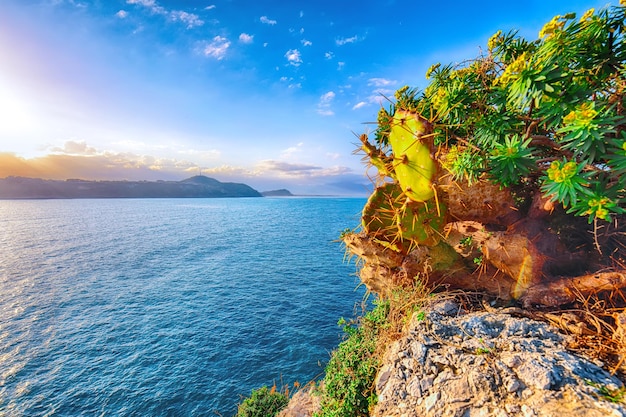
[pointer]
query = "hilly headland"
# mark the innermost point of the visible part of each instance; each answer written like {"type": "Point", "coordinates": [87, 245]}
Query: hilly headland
{"type": "Point", "coordinates": [195, 187]}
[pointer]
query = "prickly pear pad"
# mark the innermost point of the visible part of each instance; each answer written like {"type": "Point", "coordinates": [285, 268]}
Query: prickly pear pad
{"type": "Point", "coordinates": [413, 164]}
{"type": "Point", "coordinates": [390, 217]}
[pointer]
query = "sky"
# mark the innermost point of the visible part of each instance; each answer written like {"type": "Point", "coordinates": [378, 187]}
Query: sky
{"type": "Point", "coordinates": [269, 93]}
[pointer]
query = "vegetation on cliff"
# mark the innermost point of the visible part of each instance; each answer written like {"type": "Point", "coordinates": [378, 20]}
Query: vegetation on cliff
{"type": "Point", "coordinates": [507, 174]}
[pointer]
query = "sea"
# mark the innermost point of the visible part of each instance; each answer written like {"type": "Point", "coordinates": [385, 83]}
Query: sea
{"type": "Point", "coordinates": [168, 307]}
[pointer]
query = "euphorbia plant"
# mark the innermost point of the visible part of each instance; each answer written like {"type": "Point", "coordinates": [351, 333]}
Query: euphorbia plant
{"type": "Point", "coordinates": [513, 148]}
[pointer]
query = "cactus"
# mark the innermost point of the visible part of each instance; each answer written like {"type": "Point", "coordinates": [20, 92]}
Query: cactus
{"type": "Point", "coordinates": [377, 158]}
{"type": "Point", "coordinates": [414, 165]}
{"type": "Point", "coordinates": [398, 222]}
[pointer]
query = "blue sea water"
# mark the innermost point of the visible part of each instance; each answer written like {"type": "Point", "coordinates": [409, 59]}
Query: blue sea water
{"type": "Point", "coordinates": [167, 307]}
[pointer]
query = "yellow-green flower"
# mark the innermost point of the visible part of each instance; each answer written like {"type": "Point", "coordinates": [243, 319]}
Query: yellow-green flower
{"type": "Point", "coordinates": [561, 174]}
{"type": "Point", "coordinates": [513, 70]}
{"type": "Point", "coordinates": [582, 116]}
{"type": "Point", "coordinates": [440, 98]}
{"type": "Point", "coordinates": [622, 2]}
{"type": "Point", "coordinates": [624, 145]}
{"type": "Point", "coordinates": [587, 15]}
{"type": "Point", "coordinates": [596, 205]}
{"type": "Point", "coordinates": [552, 26]}
{"type": "Point", "coordinates": [570, 118]}
{"type": "Point", "coordinates": [432, 69]}
{"type": "Point", "coordinates": [495, 40]}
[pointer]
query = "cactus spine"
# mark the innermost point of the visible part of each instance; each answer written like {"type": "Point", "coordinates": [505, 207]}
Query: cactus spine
{"type": "Point", "coordinates": [400, 223]}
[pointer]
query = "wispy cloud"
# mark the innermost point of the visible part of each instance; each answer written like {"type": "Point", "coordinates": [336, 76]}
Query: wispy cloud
{"type": "Point", "coordinates": [293, 170]}
{"type": "Point", "coordinates": [329, 55]}
{"type": "Point", "coordinates": [291, 151]}
{"type": "Point", "coordinates": [266, 20]}
{"type": "Point", "coordinates": [190, 19]}
{"type": "Point", "coordinates": [287, 168]}
{"type": "Point", "coordinates": [306, 42]}
{"type": "Point", "coordinates": [217, 48]}
{"type": "Point", "coordinates": [122, 14]}
{"type": "Point", "coordinates": [343, 41]}
{"type": "Point", "coordinates": [359, 105]}
{"type": "Point", "coordinates": [245, 38]}
{"type": "Point", "coordinates": [380, 82]}
{"type": "Point", "coordinates": [74, 148]}
{"type": "Point", "coordinates": [293, 57]}
{"type": "Point", "coordinates": [150, 4]}
{"type": "Point", "coordinates": [324, 104]}
{"type": "Point", "coordinates": [211, 7]}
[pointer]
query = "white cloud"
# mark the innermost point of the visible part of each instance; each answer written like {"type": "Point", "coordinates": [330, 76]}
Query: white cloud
{"type": "Point", "coordinates": [306, 42]}
{"type": "Point", "coordinates": [71, 147]}
{"type": "Point", "coordinates": [245, 38]}
{"type": "Point", "coordinates": [340, 65]}
{"type": "Point", "coordinates": [380, 82]}
{"type": "Point", "coordinates": [147, 3]}
{"type": "Point", "coordinates": [291, 151]}
{"type": "Point", "coordinates": [359, 105]}
{"type": "Point", "coordinates": [197, 154]}
{"type": "Point", "coordinates": [329, 55]}
{"type": "Point", "coordinates": [211, 7]}
{"type": "Point", "coordinates": [122, 14]}
{"type": "Point", "coordinates": [150, 4]}
{"type": "Point", "coordinates": [379, 95]}
{"type": "Point", "coordinates": [343, 41]}
{"type": "Point", "coordinates": [288, 169]}
{"type": "Point", "coordinates": [267, 21]}
{"type": "Point", "coordinates": [217, 48]}
{"type": "Point", "coordinates": [323, 106]}
{"type": "Point", "coordinates": [293, 170]}
{"type": "Point", "coordinates": [327, 97]}
{"type": "Point", "coordinates": [192, 20]}
{"type": "Point", "coordinates": [293, 56]}
{"type": "Point", "coordinates": [301, 13]}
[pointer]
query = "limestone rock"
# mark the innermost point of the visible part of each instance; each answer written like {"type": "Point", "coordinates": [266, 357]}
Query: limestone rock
{"type": "Point", "coordinates": [488, 364]}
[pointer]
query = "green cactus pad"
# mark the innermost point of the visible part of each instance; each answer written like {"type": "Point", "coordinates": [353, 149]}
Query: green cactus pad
{"type": "Point", "coordinates": [413, 164]}
{"type": "Point", "coordinates": [391, 218]}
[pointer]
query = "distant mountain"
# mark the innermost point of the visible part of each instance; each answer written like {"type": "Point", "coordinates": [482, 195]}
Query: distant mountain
{"type": "Point", "coordinates": [277, 193]}
{"type": "Point", "coordinates": [194, 187]}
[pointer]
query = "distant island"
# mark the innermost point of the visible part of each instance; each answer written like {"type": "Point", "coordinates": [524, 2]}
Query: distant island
{"type": "Point", "coordinates": [277, 193]}
{"type": "Point", "coordinates": [195, 187]}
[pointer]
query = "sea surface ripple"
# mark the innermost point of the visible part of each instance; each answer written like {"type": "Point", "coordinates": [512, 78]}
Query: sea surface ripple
{"type": "Point", "coordinates": [167, 307]}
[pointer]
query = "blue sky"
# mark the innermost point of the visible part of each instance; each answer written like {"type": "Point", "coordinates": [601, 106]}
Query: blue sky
{"type": "Point", "coordinates": [263, 92]}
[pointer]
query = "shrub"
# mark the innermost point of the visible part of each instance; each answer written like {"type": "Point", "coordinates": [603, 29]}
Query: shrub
{"type": "Point", "coordinates": [348, 389]}
{"type": "Point", "coordinates": [263, 402]}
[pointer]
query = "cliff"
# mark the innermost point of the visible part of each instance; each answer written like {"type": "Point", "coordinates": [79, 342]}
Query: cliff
{"type": "Point", "coordinates": [429, 350]}
{"type": "Point", "coordinates": [453, 362]}
{"type": "Point", "coordinates": [194, 187]}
